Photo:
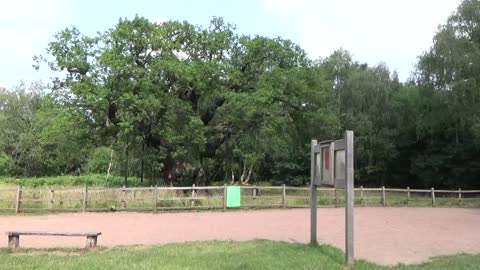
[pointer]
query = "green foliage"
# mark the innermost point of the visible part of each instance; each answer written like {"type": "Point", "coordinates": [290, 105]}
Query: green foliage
{"type": "Point", "coordinates": [99, 180]}
{"type": "Point", "coordinates": [62, 135]}
{"type": "Point", "coordinates": [99, 160]}
{"type": "Point", "coordinates": [18, 139]}
{"type": "Point", "coordinates": [6, 164]}
{"type": "Point", "coordinates": [448, 77]}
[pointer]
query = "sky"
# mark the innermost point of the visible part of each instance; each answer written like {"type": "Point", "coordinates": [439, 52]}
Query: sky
{"type": "Point", "coordinates": [395, 32]}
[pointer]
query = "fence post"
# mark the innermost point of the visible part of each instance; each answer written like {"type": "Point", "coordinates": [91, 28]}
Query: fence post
{"type": "Point", "coordinates": [124, 198]}
{"type": "Point", "coordinates": [459, 196]}
{"type": "Point", "coordinates": [384, 199]}
{"type": "Point", "coordinates": [18, 199]}
{"type": "Point", "coordinates": [433, 197]}
{"type": "Point", "coordinates": [361, 194]}
{"type": "Point", "coordinates": [336, 198]}
{"type": "Point", "coordinates": [192, 202]}
{"type": "Point", "coordinates": [155, 195]}
{"type": "Point", "coordinates": [52, 196]}
{"type": "Point", "coordinates": [408, 194]}
{"type": "Point", "coordinates": [284, 196]}
{"type": "Point", "coordinates": [85, 199]}
{"type": "Point", "coordinates": [224, 197]}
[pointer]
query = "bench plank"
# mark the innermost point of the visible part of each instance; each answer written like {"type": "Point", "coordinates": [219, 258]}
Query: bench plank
{"type": "Point", "coordinates": [52, 233]}
{"type": "Point", "coordinates": [14, 237]}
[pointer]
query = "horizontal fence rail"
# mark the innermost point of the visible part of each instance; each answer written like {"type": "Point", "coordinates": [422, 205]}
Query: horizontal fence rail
{"type": "Point", "coordinates": [88, 199]}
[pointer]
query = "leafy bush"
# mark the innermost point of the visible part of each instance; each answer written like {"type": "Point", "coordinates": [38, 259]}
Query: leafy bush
{"type": "Point", "coordinates": [99, 160]}
{"type": "Point", "coordinates": [89, 180]}
{"type": "Point", "coordinates": [6, 164]}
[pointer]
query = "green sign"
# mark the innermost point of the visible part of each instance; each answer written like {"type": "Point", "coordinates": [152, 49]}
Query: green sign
{"type": "Point", "coordinates": [233, 196]}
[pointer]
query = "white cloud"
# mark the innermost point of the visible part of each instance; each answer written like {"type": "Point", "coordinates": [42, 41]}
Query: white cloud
{"type": "Point", "coordinates": [394, 31]}
{"type": "Point", "coordinates": [317, 41]}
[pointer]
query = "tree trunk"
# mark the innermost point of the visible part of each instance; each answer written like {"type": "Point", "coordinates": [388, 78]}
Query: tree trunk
{"type": "Point", "coordinates": [126, 166]}
{"type": "Point", "coordinates": [168, 170]}
{"type": "Point", "coordinates": [250, 170]}
{"type": "Point", "coordinates": [143, 156]}
{"type": "Point", "coordinates": [244, 171]}
{"type": "Point", "coordinates": [227, 159]}
{"type": "Point", "coordinates": [232, 181]}
{"type": "Point", "coordinates": [110, 164]}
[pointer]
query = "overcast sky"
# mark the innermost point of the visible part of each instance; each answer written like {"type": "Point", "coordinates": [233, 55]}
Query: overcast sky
{"type": "Point", "coordinates": [390, 31]}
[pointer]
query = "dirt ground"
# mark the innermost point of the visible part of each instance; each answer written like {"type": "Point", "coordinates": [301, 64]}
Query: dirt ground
{"type": "Point", "coordinates": [382, 235]}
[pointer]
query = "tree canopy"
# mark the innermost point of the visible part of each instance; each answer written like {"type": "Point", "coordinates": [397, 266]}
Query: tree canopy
{"type": "Point", "coordinates": [178, 103]}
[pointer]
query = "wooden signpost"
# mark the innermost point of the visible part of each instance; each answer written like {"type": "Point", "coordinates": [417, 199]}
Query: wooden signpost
{"type": "Point", "coordinates": [332, 165]}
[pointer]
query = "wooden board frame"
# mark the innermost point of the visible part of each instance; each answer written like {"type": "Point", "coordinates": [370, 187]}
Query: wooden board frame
{"type": "Point", "coordinates": [347, 183]}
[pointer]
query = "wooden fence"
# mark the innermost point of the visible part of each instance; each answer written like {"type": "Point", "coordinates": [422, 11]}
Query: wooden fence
{"type": "Point", "coordinates": [71, 199]}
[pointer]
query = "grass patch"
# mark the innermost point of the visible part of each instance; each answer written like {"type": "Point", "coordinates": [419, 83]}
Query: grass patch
{"type": "Point", "coordinates": [260, 254]}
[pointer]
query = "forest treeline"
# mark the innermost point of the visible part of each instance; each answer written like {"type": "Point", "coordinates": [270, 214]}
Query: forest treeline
{"type": "Point", "coordinates": [177, 103]}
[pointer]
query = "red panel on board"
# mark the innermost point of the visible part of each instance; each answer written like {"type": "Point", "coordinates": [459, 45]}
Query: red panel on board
{"type": "Point", "coordinates": [326, 157]}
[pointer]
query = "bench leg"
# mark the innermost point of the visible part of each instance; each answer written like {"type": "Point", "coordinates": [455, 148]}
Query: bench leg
{"type": "Point", "coordinates": [13, 241]}
{"type": "Point", "coordinates": [91, 241]}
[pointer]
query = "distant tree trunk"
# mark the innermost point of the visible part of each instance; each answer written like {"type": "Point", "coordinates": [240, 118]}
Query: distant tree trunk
{"type": "Point", "coordinates": [110, 164]}
{"type": "Point", "coordinates": [168, 170]}
{"type": "Point", "coordinates": [249, 175]}
{"type": "Point", "coordinates": [244, 172]}
{"type": "Point", "coordinates": [143, 157]}
{"type": "Point", "coordinates": [126, 165]}
{"type": "Point", "coordinates": [232, 181]}
{"type": "Point", "coordinates": [227, 159]}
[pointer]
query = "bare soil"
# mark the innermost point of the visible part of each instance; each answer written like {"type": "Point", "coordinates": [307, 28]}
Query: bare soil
{"type": "Point", "coordinates": [382, 235]}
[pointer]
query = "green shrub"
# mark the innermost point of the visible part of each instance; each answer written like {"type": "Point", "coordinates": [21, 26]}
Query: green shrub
{"type": "Point", "coordinates": [99, 160]}
{"type": "Point", "coordinates": [6, 164]}
{"type": "Point", "coordinates": [99, 180]}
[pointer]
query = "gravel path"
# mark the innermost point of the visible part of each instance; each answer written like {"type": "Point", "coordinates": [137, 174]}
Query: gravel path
{"type": "Point", "coordinates": [382, 235]}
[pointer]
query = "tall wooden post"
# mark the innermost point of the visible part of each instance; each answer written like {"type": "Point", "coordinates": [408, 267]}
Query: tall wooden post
{"type": "Point", "coordinates": [192, 201]}
{"type": "Point", "coordinates": [52, 197]}
{"type": "Point", "coordinates": [459, 196]}
{"type": "Point", "coordinates": [155, 198]}
{"type": "Point", "coordinates": [408, 194]}
{"type": "Point", "coordinates": [224, 197]}
{"type": "Point", "coordinates": [349, 198]}
{"type": "Point", "coordinates": [124, 197]}
{"type": "Point", "coordinates": [18, 199]}
{"type": "Point", "coordinates": [313, 196]}
{"type": "Point", "coordinates": [284, 196]}
{"type": "Point", "coordinates": [433, 197]}
{"type": "Point", "coordinates": [85, 199]}
{"type": "Point", "coordinates": [361, 194]}
{"type": "Point", "coordinates": [384, 199]}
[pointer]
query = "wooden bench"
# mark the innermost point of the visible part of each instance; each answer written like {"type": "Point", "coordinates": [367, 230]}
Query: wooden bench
{"type": "Point", "coordinates": [14, 237]}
